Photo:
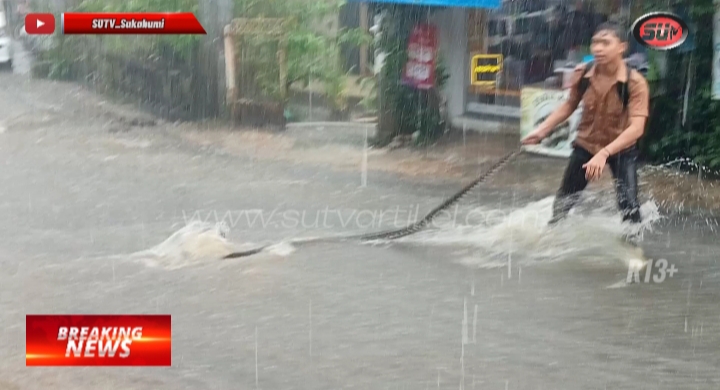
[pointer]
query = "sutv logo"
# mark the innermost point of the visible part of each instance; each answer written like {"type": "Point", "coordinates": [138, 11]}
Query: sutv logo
{"type": "Point", "coordinates": [660, 30]}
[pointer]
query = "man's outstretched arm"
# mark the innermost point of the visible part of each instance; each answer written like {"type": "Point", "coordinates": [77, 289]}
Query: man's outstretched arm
{"type": "Point", "coordinates": [558, 116]}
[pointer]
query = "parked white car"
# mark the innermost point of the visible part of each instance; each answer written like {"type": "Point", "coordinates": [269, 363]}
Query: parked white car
{"type": "Point", "coordinates": [6, 50]}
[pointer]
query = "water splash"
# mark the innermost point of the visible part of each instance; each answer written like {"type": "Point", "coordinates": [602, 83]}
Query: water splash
{"type": "Point", "coordinates": [282, 249]}
{"type": "Point", "coordinates": [195, 242]}
{"type": "Point", "coordinates": [586, 234]}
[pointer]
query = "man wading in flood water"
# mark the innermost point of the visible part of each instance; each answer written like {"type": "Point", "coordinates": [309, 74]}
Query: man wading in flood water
{"type": "Point", "coordinates": [615, 110]}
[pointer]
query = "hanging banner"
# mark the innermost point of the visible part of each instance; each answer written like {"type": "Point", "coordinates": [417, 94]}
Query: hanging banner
{"type": "Point", "coordinates": [536, 105]}
{"type": "Point", "coordinates": [716, 54]}
{"type": "Point", "coordinates": [419, 71]}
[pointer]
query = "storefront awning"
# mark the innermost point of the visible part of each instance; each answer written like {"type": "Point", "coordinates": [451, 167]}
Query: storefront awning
{"type": "Point", "coordinates": [444, 3]}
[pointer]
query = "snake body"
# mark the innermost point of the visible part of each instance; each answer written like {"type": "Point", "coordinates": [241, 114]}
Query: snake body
{"type": "Point", "coordinates": [397, 233]}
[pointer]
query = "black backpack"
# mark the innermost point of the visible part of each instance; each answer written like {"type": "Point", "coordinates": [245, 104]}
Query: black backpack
{"type": "Point", "coordinates": [622, 88]}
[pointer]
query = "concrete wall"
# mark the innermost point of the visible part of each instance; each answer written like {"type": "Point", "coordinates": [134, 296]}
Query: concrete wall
{"type": "Point", "coordinates": [451, 24]}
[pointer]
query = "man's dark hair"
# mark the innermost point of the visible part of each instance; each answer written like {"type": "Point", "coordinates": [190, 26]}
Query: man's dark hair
{"type": "Point", "coordinates": [615, 28]}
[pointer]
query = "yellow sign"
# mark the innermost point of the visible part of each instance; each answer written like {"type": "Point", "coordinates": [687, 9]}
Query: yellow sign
{"type": "Point", "coordinates": [484, 69]}
{"type": "Point", "coordinates": [487, 69]}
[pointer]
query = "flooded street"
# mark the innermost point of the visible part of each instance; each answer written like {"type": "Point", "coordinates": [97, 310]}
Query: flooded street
{"type": "Point", "coordinates": [469, 307]}
{"type": "Point", "coordinates": [492, 300]}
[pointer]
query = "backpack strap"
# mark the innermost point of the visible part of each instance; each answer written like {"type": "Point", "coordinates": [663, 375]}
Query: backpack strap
{"type": "Point", "coordinates": [584, 82]}
{"type": "Point", "coordinates": [624, 89]}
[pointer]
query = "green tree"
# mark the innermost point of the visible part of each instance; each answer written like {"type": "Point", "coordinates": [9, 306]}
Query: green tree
{"type": "Point", "coordinates": [180, 46]}
{"type": "Point", "coordinates": [698, 139]}
{"type": "Point", "coordinates": [405, 110]}
{"type": "Point", "coordinates": [312, 54]}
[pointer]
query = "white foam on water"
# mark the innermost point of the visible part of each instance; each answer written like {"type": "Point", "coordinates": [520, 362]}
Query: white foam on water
{"type": "Point", "coordinates": [194, 243]}
{"type": "Point", "coordinates": [282, 249]}
{"type": "Point", "coordinates": [199, 242]}
{"type": "Point", "coordinates": [620, 284]}
{"type": "Point", "coordinates": [635, 265]}
{"type": "Point", "coordinates": [523, 234]}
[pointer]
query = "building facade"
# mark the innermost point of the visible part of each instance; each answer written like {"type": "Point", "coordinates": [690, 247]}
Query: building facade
{"type": "Point", "coordinates": [493, 54]}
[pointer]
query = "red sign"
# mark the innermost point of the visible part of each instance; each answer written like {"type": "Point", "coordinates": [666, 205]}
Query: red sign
{"type": "Point", "coordinates": [43, 24]}
{"type": "Point", "coordinates": [98, 340]}
{"type": "Point", "coordinates": [660, 30]}
{"type": "Point", "coordinates": [419, 71]}
{"type": "Point", "coordinates": [131, 23]}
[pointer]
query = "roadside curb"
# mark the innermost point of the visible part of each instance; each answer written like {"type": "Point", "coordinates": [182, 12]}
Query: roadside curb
{"type": "Point", "coordinates": [302, 125]}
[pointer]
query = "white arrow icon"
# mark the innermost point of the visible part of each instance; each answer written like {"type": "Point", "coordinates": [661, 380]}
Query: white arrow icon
{"type": "Point", "coordinates": [40, 23]}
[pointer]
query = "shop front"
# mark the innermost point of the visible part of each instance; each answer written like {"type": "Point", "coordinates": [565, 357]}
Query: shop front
{"type": "Point", "coordinates": [447, 19]}
{"type": "Point", "coordinates": [536, 41]}
{"type": "Point", "coordinates": [510, 60]}
{"type": "Point", "coordinates": [521, 55]}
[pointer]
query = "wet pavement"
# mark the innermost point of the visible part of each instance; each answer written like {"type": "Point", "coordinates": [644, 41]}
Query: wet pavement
{"type": "Point", "coordinates": [435, 311]}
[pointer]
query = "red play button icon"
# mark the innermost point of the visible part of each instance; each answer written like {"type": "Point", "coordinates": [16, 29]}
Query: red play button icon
{"type": "Point", "coordinates": [40, 24]}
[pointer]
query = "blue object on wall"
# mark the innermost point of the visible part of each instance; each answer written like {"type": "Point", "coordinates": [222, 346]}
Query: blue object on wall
{"type": "Point", "coordinates": [443, 3]}
{"type": "Point", "coordinates": [587, 59]}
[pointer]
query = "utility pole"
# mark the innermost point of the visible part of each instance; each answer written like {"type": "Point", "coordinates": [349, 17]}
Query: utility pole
{"type": "Point", "coordinates": [225, 16]}
{"type": "Point", "coordinates": [205, 78]}
{"type": "Point", "coordinates": [364, 71]}
{"type": "Point", "coordinates": [387, 124]}
{"type": "Point", "coordinates": [210, 70]}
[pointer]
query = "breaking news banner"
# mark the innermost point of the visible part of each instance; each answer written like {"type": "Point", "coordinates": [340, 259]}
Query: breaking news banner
{"type": "Point", "coordinates": [98, 340]}
{"type": "Point", "coordinates": [130, 23]}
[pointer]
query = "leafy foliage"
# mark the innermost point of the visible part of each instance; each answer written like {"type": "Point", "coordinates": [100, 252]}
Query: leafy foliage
{"type": "Point", "coordinates": [410, 110]}
{"type": "Point", "coordinates": [699, 138]}
{"type": "Point", "coordinates": [370, 101]}
{"type": "Point", "coordinates": [313, 52]}
{"type": "Point", "coordinates": [180, 46]}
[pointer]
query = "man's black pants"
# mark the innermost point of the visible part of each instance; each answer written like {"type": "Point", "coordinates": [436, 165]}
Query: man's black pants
{"type": "Point", "coordinates": [624, 170]}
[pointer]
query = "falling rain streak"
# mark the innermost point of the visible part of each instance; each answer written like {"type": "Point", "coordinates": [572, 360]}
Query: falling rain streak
{"type": "Point", "coordinates": [254, 134]}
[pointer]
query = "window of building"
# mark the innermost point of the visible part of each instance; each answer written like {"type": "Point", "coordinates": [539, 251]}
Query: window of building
{"type": "Point", "coordinates": [536, 39]}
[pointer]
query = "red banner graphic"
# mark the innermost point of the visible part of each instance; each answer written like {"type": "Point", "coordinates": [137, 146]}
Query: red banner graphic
{"type": "Point", "coordinates": [419, 71]}
{"type": "Point", "coordinates": [98, 340]}
{"type": "Point", "coordinates": [131, 23]}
